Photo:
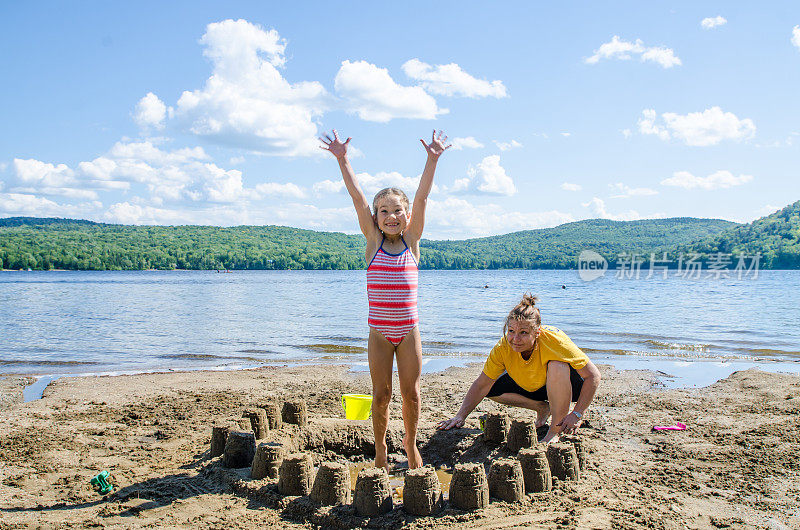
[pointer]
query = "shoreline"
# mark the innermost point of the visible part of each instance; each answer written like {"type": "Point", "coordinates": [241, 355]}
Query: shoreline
{"type": "Point", "coordinates": [734, 466]}
{"type": "Point", "coordinates": [672, 372]}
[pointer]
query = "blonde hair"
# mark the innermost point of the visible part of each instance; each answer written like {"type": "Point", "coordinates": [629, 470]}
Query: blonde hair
{"type": "Point", "coordinates": [525, 311]}
{"type": "Point", "coordinates": [386, 192]}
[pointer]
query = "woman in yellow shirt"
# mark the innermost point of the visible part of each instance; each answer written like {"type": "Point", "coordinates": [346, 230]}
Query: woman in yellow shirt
{"type": "Point", "coordinates": [535, 367]}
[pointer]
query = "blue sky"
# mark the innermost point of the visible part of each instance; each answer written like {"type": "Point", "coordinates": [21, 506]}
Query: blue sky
{"type": "Point", "coordinates": [207, 113]}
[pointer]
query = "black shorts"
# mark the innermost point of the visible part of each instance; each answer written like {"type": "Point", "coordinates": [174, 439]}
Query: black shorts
{"type": "Point", "coordinates": [506, 385]}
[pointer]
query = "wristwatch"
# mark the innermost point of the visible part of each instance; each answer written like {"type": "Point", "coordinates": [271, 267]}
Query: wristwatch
{"type": "Point", "coordinates": [577, 414]}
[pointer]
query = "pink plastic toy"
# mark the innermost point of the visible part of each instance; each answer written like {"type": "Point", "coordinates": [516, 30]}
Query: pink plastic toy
{"type": "Point", "coordinates": [677, 427]}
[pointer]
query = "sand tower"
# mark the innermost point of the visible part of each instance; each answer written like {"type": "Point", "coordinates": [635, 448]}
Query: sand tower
{"type": "Point", "coordinates": [268, 460]}
{"type": "Point", "coordinates": [495, 427]}
{"type": "Point", "coordinates": [422, 492]}
{"type": "Point", "coordinates": [373, 496]}
{"type": "Point", "coordinates": [469, 489]}
{"type": "Point", "coordinates": [521, 435]}
{"type": "Point", "coordinates": [294, 476]}
{"type": "Point", "coordinates": [258, 422]}
{"type": "Point", "coordinates": [535, 470]}
{"type": "Point", "coordinates": [563, 461]}
{"type": "Point", "coordinates": [295, 412]}
{"type": "Point", "coordinates": [240, 447]}
{"type": "Point", "coordinates": [332, 484]}
{"type": "Point", "coordinates": [505, 480]}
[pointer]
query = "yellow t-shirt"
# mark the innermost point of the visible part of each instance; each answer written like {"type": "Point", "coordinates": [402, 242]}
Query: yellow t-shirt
{"type": "Point", "coordinates": [552, 345]}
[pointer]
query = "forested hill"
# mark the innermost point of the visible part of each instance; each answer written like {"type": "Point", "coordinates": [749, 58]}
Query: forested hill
{"type": "Point", "coordinates": [35, 243]}
{"type": "Point", "coordinates": [776, 237]}
{"type": "Point", "coordinates": [559, 247]}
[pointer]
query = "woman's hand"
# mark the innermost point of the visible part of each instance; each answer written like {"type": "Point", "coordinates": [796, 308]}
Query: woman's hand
{"type": "Point", "coordinates": [446, 425]}
{"type": "Point", "coordinates": [334, 145]}
{"type": "Point", "coordinates": [436, 147]}
{"type": "Point", "coordinates": [569, 424]}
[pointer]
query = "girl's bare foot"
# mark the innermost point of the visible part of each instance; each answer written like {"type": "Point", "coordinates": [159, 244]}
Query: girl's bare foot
{"type": "Point", "coordinates": [381, 458]}
{"type": "Point", "coordinates": [412, 453]}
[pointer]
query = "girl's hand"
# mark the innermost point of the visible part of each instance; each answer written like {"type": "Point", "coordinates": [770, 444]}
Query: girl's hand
{"type": "Point", "coordinates": [334, 145]}
{"type": "Point", "coordinates": [436, 147]}
{"type": "Point", "coordinates": [446, 425]}
{"type": "Point", "coordinates": [569, 424]}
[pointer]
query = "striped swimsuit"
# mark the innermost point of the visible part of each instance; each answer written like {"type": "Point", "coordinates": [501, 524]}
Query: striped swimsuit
{"type": "Point", "coordinates": [392, 293]}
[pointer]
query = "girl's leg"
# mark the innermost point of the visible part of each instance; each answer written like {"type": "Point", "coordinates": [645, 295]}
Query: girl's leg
{"type": "Point", "coordinates": [409, 367]}
{"type": "Point", "coordinates": [559, 394]}
{"type": "Point", "coordinates": [542, 408]}
{"type": "Point", "coordinates": [380, 353]}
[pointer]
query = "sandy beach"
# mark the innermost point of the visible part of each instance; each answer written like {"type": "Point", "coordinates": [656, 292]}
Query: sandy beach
{"type": "Point", "coordinates": [736, 466]}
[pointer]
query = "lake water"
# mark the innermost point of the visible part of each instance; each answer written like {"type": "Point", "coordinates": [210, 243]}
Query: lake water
{"type": "Point", "coordinates": [58, 323]}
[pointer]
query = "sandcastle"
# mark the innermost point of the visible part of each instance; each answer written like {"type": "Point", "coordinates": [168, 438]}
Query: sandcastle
{"type": "Point", "coordinates": [258, 421]}
{"type": "Point", "coordinates": [580, 449]}
{"type": "Point", "coordinates": [294, 476]}
{"type": "Point", "coordinates": [422, 492]}
{"type": "Point", "coordinates": [372, 495]}
{"type": "Point", "coordinates": [332, 484]}
{"type": "Point", "coordinates": [469, 489]}
{"type": "Point", "coordinates": [521, 435]}
{"type": "Point", "coordinates": [563, 461]}
{"type": "Point", "coordinates": [273, 413]}
{"type": "Point", "coordinates": [219, 435]}
{"type": "Point", "coordinates": [535, 470]}
{"type": "Point", "coordinates": [240, 447]}
{"type": "Point", "coordinates": [244, 423]}
{"type": "Point", "coordinates": [505, 480]}
{"type": "Point", "coordinates": [294, 412]}
{"type": "Point", "coordinates": [495, 427]}
{"type": "Point", "coordinates": [268, 460]}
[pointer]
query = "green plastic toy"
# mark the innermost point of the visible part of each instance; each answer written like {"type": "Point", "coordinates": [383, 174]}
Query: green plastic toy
{"type": "Point", "coordinates": [101, 483]}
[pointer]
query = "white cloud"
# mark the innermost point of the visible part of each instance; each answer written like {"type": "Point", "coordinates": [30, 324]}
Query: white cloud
{"type": "Point", "coordinates": [26, 204]}
{"type": "Point", "coordinates": [566, 134]}
{"type": "Point", "coordinates": [236, 160]}
{"type": "Point", "coordinates": [288, 189]}
{"type": "Point", "coordinates": [505, 146]}
{"type": "Point", "coordinates": [626, 133]}
{"type": "Point", "coordinates": [3, 166]}
{"type": "Point", "coordinates": [568, 186]}
{"type": "Point", "coordinates": [370, 92]}
{"type": "Point", "coordinates": [42, 178]}
{"type": "Point", "coordinates": [168, 175]}
{"type": "Point", "coordinates": [487, 177]}
{"type": "Point", "coordinates": [327, 186]}
{"type": "Point", "coordinates": [717, 180]}
{"type": "Point", "coordinates": [451, 80]}
{"type": "Point", "coordinates": [624, 50]}
{"type": "Point", "coordinates": [457, 218]}
{"type": "Point", "coordinates": [372, 184]}
{"type": "Point", "coordinates": [465, 143]}
{"type": "Point", "coordinates": [70, 193]}
{"type": "Point", "coordinates": [150, 112]}
{"type": "Point", "coordinates": [31, 171]}
{"type": "Point", "coordinates": [796, 36]}
{"type": "Point", "coordinates": [647, 125]}
{"type": "Point", "coordinates": [598, 208]}
{"type": "Point", "coordinates": [709, 127]}
{"type": "Point", "coordinates": [246, 102]}
{"type": "Point", "coordinates": [713, 22]}
{"type": "Point", "coordinates": [624, 191]}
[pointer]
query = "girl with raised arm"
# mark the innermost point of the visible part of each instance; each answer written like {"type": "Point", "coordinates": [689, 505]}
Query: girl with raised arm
{"type": "Point", "coordinates": [393, 234]}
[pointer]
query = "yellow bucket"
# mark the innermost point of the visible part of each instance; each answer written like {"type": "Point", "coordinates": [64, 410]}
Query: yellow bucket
{"type": "Point", "coordinates": [357, 406]}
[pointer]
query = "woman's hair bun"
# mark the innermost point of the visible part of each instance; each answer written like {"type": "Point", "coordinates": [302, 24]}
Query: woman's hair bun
{"type": "Point", "coordinates": [528, 300]}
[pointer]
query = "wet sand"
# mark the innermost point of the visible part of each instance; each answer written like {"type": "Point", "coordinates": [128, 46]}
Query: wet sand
{"type": "Point", "coordinates": [736, 465]}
